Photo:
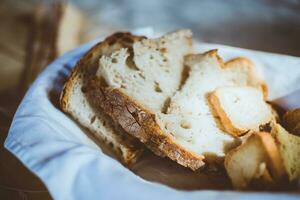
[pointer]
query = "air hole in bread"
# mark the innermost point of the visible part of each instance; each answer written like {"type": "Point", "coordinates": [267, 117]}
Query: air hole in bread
{"type": "Point", "coordinates": [93, 119]}
{"type": "Point", "coordinates": [163, 50]}
{"type": "Point", "coordinates": [129, 61]}
{"type": "Point", "coordinates": [185, 125]}
{"type": "Point", "coordinates": [157, 87]}
{"type": "Point", "coordinates": [166, 105]}
{"type": "Point", "coordinates": [83, 89]}
{"type": "Point", "coordinates": [114, 60]}
{"type": "Point", "coordinates": [184, 75]}
{"type": "Point", "coordinates": [142, 75]}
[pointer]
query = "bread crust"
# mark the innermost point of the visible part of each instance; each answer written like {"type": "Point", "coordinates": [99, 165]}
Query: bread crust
{"type": "Point", "coordinates": [85, 69]}
{"type": "Point", "coordinates": [141, 123]}
{"type": "Point", "coordinates": [274, 158]}
{"type": "Point", "coordinates": [225, 120]}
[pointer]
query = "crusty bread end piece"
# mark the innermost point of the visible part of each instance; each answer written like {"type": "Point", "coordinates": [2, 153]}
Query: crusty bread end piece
{"type": "Point", "coordinates": [289, 147]}
{"type": "Point", "coordinates": [74, 101]}
{"type": "Point", "coordinates": [257, 160]}
{"type": "Point", "coordinates": [241, 109]}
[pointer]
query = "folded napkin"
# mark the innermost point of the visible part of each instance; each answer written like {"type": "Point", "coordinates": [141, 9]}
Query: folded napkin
{"type": "Point", "coordinates": [72, 166]}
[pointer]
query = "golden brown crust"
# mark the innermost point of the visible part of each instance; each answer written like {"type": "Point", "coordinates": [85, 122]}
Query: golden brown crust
{"type": "Point", "coordinates": [140, 123]}
{"type": "Point", "coordinates": [226, 122]}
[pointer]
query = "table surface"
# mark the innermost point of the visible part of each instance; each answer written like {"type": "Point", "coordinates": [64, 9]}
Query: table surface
{"type": "Point", "coordinates": [261, 24]}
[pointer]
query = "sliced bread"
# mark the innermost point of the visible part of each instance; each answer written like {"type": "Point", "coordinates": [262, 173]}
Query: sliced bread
{"type": "Point", "coordinates": [289, 148]}
{"type": "Point", "coordinates": [241, 109]}
{"type": "Point", "coordinates": [161, 100]}
{"type": "Point", "coordinates": [255, 163]}
{"type": "Point", "coordinates": [74, 102]}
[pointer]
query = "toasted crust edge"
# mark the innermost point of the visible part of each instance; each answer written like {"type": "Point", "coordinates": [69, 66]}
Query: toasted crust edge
{"type": "Point", "coordinates": [225, 120]}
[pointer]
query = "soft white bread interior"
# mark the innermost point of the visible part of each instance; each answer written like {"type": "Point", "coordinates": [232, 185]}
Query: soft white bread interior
{"type": "Point", "coordinates": [289, 148]}
{"type": "Point", "coordinates": [151, 71]}
{"type": "Point", "coordinates": [74, 102]}
{"type": "Point", "coordinates": [241, 109]}
{"type": "Point", "coordinates": [255, 163]}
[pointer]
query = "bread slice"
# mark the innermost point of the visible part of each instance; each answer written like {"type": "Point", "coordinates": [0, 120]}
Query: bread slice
{"type": "Point", "coordinates": [150, 72]}
{"type": "Point", "coordinates": [136, 88]}
{"type": "Point", "coordinates": [255, 163]}
{"type": "Point", "coordinates": [289, 148]}
{"type": "Point", "coordinates": [241, 109]}
{"type": "Point", "coordinates": [74, 102]}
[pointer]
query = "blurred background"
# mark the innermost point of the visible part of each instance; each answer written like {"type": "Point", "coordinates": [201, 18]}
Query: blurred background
{"type": "Point", "coordinates": [33, 33]}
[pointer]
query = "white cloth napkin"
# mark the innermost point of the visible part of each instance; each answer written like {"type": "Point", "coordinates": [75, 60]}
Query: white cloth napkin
{"type": "Point", "coordinates": [54, 148]}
